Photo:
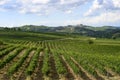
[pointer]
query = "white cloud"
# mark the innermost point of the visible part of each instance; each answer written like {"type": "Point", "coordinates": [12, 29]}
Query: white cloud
{"type": "Point", "coordinates": [69, 1]}
{"type": "Point", "coordinates": [96, 5]}
{"type": "Point", "coordinates": [100, 6]}
{"type": "Point", "coordinates": [116, 3]}
{"type": "Point", "coordinates": [2, 2]}
{"type": "Point", "coordinates": [40, 1]}
{"type": "Point", "coordinates": [68, 11]}
{"type": "Point", "coordinates": [33, 1]}
{"type": "Point", "coordinates": [104, 18]}
{"type": "Point", "coordinates": [41, 6]}
{"type": "Point", "coordinates": [45, 7]}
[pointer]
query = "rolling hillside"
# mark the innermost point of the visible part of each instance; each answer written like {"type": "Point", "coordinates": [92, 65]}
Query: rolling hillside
{"type": "Point", "coordinates": [57, 56]}
{"type": "Point", "coordinates": [101, 32]}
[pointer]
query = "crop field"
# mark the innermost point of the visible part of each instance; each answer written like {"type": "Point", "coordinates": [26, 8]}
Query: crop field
{"type": "Point", "coordinates": [37, 56]}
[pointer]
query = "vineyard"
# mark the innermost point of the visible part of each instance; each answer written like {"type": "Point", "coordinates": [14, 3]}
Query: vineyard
{"type": "Point", "coordinates": [58, 58]}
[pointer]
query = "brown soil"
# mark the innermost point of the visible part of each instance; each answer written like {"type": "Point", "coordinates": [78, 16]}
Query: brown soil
{"type": "Point", "coordinates": [98, 75]}
{"type": "Point", "coordinates": [53, 72]}
{"type": "Point", "coordinates": [111, 73]}
{"type": "Point", "coordinates": [37, 75]}
{"type": "Point", "coordinates": [3, 47]}
{"type": "Point", "coordinates": [4, 75]}
{"type": "Point", "coordinates": [84, 74]}
{"type": "Point", "coordinates": [12, 51]}
{"type": "Point", "coordinates": [62, 77]}
{"type": "Point", "coordinates": [70, 75]}
{"type": "Point", "coordinates": [20, 74]}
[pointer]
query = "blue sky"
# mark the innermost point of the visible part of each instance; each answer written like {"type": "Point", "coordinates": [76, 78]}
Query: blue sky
{"type": "Point", "coordinates": [59, 12]}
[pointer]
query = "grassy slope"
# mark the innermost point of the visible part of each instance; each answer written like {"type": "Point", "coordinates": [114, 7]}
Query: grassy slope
{"type": "Point", "coordinates": [78, 46]}
{"type": "Point", "coordinates": [28, 36]}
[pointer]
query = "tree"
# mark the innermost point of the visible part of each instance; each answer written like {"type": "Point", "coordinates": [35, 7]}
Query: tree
{"type": "Point", "coordinates": [115, 36]}
{"type": "Point", "coordinates": [90, 41]}
{"type": "Point", "coordinates": [1, 43]}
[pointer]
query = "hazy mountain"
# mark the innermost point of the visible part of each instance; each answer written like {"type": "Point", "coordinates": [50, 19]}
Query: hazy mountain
{"type": "Point", "coordinates": [104, 31]}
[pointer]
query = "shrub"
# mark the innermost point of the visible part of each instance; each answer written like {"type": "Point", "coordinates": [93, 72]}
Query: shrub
{"type": "Point", "coordinates": [90, 41]}
{"type": "Point", "coordinates": [1, 43]}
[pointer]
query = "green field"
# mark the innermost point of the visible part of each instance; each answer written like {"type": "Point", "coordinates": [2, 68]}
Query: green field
{"type": "Point", "coordinates": [57, 56]}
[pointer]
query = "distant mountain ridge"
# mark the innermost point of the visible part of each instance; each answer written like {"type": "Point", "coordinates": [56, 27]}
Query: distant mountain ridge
{"type": "Point", "coordinates": [69, 28]}
{"type": "Point", "coordinates": [104, 31]}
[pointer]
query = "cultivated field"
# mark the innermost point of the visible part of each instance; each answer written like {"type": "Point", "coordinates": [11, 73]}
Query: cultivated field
{"type": "Point", "coordinates": [35, 56]}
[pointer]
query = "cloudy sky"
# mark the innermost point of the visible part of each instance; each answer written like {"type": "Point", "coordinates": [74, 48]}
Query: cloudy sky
{"type": "Point", "coordinates": [59, 12]}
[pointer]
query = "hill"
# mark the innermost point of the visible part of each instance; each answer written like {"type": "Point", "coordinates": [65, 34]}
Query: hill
{"type": "Point", "coordinates": [57, 56]}
{"type": "Point", "coordinates": [101, 32]}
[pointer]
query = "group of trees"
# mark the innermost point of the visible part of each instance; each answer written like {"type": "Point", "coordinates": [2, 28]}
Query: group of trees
{"type": "Point", "coordinates": [10, 29]}
{"type": "Point", "coordinates": [107, 33]}
{"type": "Point", "coordinates": [115, 36]}
{"type": "Point", "coordinates": [1, 43]}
